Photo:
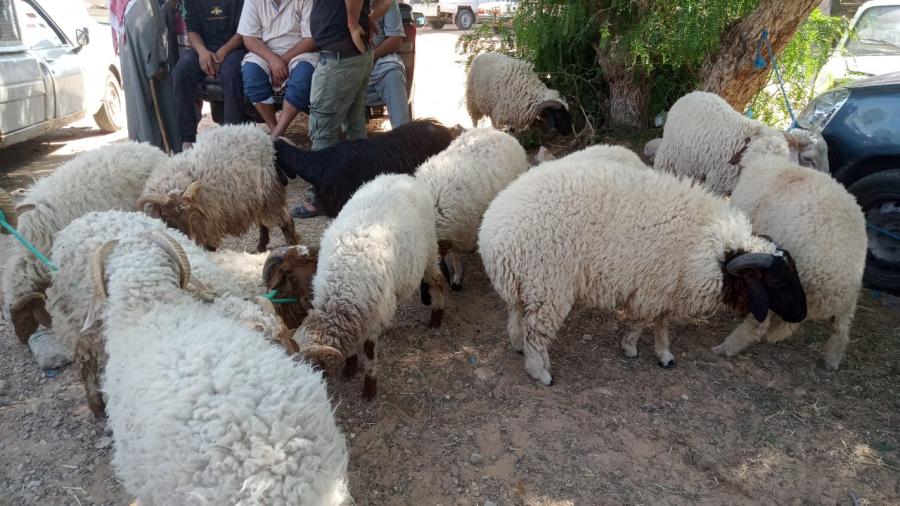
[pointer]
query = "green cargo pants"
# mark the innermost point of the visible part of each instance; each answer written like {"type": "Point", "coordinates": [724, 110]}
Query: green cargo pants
{"type": "Point", "coordinates": [338, 98]}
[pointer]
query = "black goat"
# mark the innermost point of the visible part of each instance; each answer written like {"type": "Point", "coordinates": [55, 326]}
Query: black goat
{"type": "Point", "coordinates": [338, 171]}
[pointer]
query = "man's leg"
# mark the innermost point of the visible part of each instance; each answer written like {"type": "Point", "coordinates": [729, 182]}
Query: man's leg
{"type": "Point", "coordinates": [296, 96]}
{"type": "Point", "coordinates": [393, 92]}
{"type": "Point", "coordinates": [358, 70]}
{"type": "Point", "coordinates": [233, 87]}
{"type": "Point", "coordinates": [186, 76]}
{"type": "Point", "coordinates": [336, 85]}
{"type": "Point", "coordinates": [258, 89]}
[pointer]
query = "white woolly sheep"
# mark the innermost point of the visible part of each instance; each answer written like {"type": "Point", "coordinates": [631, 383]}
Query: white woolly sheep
{"type": "Point", "coordinates": [374, 254]}
{"type": "Point", "coordinates": [110, 177]}
{"type": "Point", "coordinates": [220, 187]}
{"type": "Point", "coordinates": [202, 408]}
{"type": "Point", "coordinates": [702, 132]}
{"type": "Point", "coordinates": [819, 221]}
{"type": "Point", "coordinates": [464, 179]}
{"type": "Point", "coordinates": [511, 94]}
{"type": "Point", "coordinates": [609, 236]}
{"type": "Point", "coordinates": [71, 306]}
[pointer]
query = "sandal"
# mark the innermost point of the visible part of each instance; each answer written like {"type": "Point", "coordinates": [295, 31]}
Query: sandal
{"type": "Point", "coordinates": [302, 212]}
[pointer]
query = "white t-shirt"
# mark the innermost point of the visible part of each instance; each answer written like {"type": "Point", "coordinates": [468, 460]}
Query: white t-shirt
{"type": "Point", "coordinates": [280, 27]}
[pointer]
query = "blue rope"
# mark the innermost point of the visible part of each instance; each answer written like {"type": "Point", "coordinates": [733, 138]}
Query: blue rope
{"type": "Point", "coordinates": [882, 231]}
{"type": "Point", "coordinates": [30, 247]}
{"type": "Point", "coordinates": [271, 296]}
{"type": "Point", "coordinates": [760, 63]}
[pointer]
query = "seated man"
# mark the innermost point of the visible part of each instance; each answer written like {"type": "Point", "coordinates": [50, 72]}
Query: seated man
{"type": "Point", "coordinates": [282, 56]}
{"type": "Point", "coordinates": [387, 82]}
{"type": "Point", "coordinates": [216, 50]}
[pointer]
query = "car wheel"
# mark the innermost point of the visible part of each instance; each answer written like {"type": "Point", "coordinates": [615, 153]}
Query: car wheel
{"type": "Point", "coordinates": [879, 196]}
{"type": "Point", "coordinates": [111, 116]}
{"type": "Point", "coordinates": [436, 25]}
{"type": "Point", "coordinates": [465, 20]}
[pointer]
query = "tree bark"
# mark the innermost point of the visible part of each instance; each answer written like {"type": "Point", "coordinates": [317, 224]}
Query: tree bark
{"type": "Point", "coordinates": [629, 92]}
{"type": "Point", "coordinates": [730, 72]}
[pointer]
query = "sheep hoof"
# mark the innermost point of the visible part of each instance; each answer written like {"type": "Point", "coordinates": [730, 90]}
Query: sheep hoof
{"type": "Point", "coordinates": [445, 271]}
{"type": "Point", "coordinates": [630, 352]}
{"type": "Point", "coordinates": [456, 287]}
{"type": "Point", "coordinates": [832, 365]}
{"type": "Point", "coordinates": [425, 293]}
{"type": "Point", "coordinates": [722, 349]}
{"type": "Point", "coordinates": [437, 316]}
{"type": "Point", "coordinates": [668, 364]}
{"type": "Point", "coordinates": [370, 388]}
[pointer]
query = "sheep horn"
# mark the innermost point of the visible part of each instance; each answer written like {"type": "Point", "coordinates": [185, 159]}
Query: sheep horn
{"type": "Point", "coordinates": [9, 210]}
{"type": "Point", "coordinates": [191, 191]}
{"type": "Point", "coordinates": [176, 252]}
{"type": "Point", "coordinates": [748, 261]}
{"type": "Point", "coordinates": [98, 286]}
{"type": "Point", "coordinates": [153, 198]}
{"type": "Point", "coordinates": [25, 299]}
{"type": "Point", "coordinates": [265, 304]}
{"type": "Point", "coordinates": [24, 208]}
{"type": "Point", "coordinates": [320, 352]}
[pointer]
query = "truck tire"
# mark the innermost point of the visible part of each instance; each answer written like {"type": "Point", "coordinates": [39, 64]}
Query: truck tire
{"type": "Point", "coordinates": [879, 197]}
{"type": "Point", "coordinates": [465, 19]}
{"type": "Point", "coordinates": [110, 118]}
{"type": "Point", "coordinates": [436, 25]}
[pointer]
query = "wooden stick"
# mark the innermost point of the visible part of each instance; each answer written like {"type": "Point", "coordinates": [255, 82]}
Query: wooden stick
{"type": "Point", "coordinates": [162, 128]}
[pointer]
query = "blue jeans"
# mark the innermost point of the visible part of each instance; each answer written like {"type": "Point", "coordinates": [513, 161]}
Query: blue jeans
{"type": "Point", "coordinates": [258, 87]}
{"type": "Point", "coordinates": [390, 90]}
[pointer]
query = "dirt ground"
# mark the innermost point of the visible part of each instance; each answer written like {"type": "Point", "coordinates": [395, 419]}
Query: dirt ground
{"type": "Point", "coordinates": [458, 421]}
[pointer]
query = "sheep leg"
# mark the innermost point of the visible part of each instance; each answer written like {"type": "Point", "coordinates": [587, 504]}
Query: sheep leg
{"type": "Point", "coordinates": [289, 231]}
{"type": "Point", "coordinates": [837, 343]}
{"type": "Point", "coordinates": [514, 328]}
{"type": "Point", "coordinates": [661, 343]}
{"type": "Point", "coordinates": [779, 330]}
{"type": "Point", "coordinates": [747, 333]}
{"type": "Point", "coordinates": [629, 342]}
{"type": "Point", "coordinates": [437, 289]}
{"type": "Point", "coordinates": [370, 383]}
{"type": "Point", "coordinates": [89, 371]}
{"type": "Point", "coordinates": [351, 365]}
{"type": "Point", "coordinates": [454, 261]}
{"type": "Point", "coordinates": [540, 328]}
{"type": "Point", "coordinates": [263, 238]}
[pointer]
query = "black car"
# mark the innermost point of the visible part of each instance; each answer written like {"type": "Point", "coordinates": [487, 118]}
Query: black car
{"type": "Point", "coordinates": [861, 124]}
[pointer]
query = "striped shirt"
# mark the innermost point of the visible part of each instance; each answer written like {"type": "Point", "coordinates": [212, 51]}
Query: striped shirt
{"type": "Point", "coordinates": [279, 26]}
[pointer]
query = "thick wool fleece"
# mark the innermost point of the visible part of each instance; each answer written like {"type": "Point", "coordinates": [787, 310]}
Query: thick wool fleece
{"type": "Point", "coordinates": [204, 410]}
{"type": "Point", "coordinates": [229, 273]}
{"type": "Point", "coordinates": [702, 134]}
{"type": "Point", "coordinates": [607, 236]}
{"type": "Point", "coordinates": [235, 165]}
{"type": "Point", "coordinates": [372, 255]}
{"type": "Point", "coordinates": [505, 90]}
{"type": "Point", "coordinates": [608, 153]}
{"type": "Point", "coordinates": [110, 177]}
{"type": "Point", "coordinates": [815, 218]}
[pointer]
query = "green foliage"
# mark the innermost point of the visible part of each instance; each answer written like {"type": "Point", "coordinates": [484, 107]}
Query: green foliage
{"type": "Point", "coordinates": [801, 61]}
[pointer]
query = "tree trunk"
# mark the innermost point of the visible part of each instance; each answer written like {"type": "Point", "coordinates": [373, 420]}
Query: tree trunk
{"type": "Point", "coordinates": [628, 91]}
{"type": "Point", "coordinates": [730, 72]}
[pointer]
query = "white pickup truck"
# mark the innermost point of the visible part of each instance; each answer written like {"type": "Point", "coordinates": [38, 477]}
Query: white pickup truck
{"type": "Point", "coordinates": [444, 12]}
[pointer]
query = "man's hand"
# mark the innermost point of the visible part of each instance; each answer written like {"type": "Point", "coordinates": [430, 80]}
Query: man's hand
{"type": "Point", "coordinates": [279, 70]}
{"type": "Point", "coordinates": [358, 34]}
{"type": "Point", "coordinates": [219, 56]}
{"type": "Point", "coordinates": [208, 63]}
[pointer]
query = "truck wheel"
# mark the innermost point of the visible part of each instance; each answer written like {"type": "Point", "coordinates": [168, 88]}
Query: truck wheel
{"type": "Point", "coordinates": [465, 19]}
{"type": "Point", "coordinates": [436, 25]}
{"type": "Point", "coordinates": [879, 196]}
{"type": "Point", "coordinates": [110, 117]}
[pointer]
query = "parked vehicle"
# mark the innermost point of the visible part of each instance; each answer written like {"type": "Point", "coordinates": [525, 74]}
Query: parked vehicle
{"type": "Point", "coordinates": [497, 10]}
{"type": "Point", "coordinates": [870, 47]}
{"type": "Point", "coordinates": [56, 65]}
{"type": "Point", "coordinates": [861, 124]}
{"type": "Point", "coordinates": [439, 13]}
{"type": "Point", "coordinates": [210, 90]}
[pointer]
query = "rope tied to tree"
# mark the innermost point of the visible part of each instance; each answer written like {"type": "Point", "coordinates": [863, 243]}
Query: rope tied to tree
{"type": "Point", "coordinates": [760, 63]}
{"type": "Point", "coordinates": [30, 247]}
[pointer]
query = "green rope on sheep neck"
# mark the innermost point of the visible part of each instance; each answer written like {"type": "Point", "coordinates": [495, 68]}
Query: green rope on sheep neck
{"type": "Point", "coordinates": [30, 247]}
{"type": "Point", "coordinates": [271, 296]}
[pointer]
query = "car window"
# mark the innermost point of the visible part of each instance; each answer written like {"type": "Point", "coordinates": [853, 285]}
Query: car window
{"type": "Point", "coordinates": [9, 31]}
{"type": "Point", "coordinates": [37, 32]}
{"type": "Point", "coordinates": [876, 32]}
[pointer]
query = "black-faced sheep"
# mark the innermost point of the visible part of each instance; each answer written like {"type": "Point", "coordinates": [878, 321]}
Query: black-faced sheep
{"type": "Point", "coordinates": [612, 234]}
{"type": "Point", "coordinates": [222, 186]}
{"type": "Point", "coordinates": [337, 172]}
{"type": "Point", "coordinates": [110, 177]}
{"type": "Point", "coordinates": [373, 255]}
{"type": "Point", "coordinates": [511, 94]}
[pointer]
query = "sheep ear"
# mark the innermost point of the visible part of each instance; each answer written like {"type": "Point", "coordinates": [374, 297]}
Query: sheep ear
{"type": "Point", "coordinates": [759, 298]}
{"type": "Point", "coordinates": [736, 158]}
{"type": "Point", "coordinates": [191, 194]}
{"type": "Point", "coordinates": [27, 313]}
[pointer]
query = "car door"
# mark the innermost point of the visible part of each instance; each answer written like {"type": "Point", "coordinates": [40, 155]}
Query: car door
{"type": "Point", "coordinates": [60, 63]}
{"type": "Point", "coordinates": [21, 85]}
